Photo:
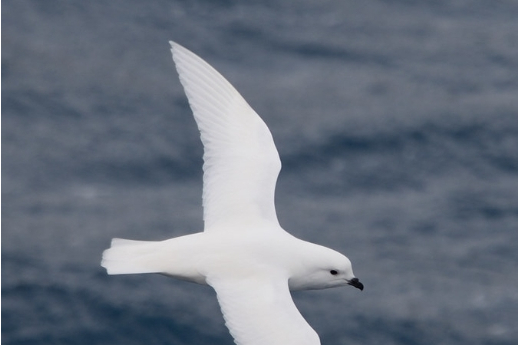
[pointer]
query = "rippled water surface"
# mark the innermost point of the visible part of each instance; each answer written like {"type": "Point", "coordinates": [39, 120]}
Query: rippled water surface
{"type": "Point", "coordinates": [397, 125]}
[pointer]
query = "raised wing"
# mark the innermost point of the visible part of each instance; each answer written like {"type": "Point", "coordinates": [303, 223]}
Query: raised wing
{"type": "Point", "coordinates": [260, 311]}
{"type": "Point", "coordinates": [241, 163]}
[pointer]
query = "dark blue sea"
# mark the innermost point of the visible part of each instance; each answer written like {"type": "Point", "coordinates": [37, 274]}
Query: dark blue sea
{"type": "Point", "coordinates": [397, 125]}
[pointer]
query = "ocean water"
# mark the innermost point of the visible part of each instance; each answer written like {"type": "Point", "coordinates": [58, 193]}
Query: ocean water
{"type": "Point", "coordinates": [397, 125]}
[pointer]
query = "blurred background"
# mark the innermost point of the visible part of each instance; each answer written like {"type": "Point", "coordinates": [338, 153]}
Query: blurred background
{"type": "Point", "coordinates": [397, 125]}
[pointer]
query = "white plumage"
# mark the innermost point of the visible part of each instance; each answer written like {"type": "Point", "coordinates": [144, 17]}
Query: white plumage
{"type": "Point", "coordinates": [243, 253]}
{"type": "Point", "coordinates": [241, 163]}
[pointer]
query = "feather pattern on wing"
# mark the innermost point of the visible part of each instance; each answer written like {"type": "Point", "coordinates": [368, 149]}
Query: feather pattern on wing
{"type": "Point", "coordinates": [241, 163]}
{"type": "Point", "coordinates": [259, 310]}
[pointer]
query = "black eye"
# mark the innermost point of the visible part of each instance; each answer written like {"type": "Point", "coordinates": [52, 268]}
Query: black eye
{"type": "Point", "coordinates": [333, 272]}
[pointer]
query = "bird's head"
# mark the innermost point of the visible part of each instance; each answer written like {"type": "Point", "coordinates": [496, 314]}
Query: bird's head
{"type": "Point", "coordinates": [323, 268]}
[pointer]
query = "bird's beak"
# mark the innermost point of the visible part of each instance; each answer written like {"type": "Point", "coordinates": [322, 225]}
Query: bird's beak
{"type": "Point", "coordinates": [356, 283]}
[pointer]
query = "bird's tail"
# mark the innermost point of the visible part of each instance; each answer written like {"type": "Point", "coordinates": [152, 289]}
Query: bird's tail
{"type": "Point", "coordinates": [128, 256]}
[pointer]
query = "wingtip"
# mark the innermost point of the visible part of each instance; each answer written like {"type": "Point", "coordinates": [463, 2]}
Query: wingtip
{"type": "Point", "coordinates": [175, 47]}
{"type": "Point", "coordinates": [177, 50]}
{"type": "Point", "coordinates": [175, 53]}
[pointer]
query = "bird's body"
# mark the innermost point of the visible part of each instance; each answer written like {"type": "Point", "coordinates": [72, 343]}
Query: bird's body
{"type": "Point", "coordinates": [215, 253]}
{"type": "Point", "coordinates": [243, 252]}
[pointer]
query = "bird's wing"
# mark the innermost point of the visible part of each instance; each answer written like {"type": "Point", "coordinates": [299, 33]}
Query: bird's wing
{"type": "Point", "coordinates": [241, 163]}
{"type": "Point", "coordinates": [259, 310]}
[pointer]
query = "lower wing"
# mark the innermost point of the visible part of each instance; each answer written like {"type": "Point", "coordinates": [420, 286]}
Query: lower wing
{"type": "Point", "coordinates": [259, 310]}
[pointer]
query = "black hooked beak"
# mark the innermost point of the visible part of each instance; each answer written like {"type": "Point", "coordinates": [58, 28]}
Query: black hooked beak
{"type": "Point", "coordinates": [356, 283]}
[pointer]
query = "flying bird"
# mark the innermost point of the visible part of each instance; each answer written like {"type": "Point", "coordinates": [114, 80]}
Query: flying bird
{"type": "Point", "coordinates": [243, 253]}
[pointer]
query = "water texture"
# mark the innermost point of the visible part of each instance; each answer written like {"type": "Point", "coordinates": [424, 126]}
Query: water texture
{"type": "Point", "coordinates": [397, 125]}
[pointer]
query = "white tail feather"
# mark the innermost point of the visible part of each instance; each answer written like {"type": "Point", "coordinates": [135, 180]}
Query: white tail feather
{"type": "Point", "coordinates": [128, 256]}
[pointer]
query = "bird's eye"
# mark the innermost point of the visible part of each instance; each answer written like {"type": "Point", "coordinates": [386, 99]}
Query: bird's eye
{"type": "Point", "coordinates": [333, 272]}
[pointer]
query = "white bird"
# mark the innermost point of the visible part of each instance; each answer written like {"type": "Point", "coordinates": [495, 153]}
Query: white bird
{"type": "Point", "coordinates": [243, 253]}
